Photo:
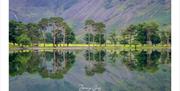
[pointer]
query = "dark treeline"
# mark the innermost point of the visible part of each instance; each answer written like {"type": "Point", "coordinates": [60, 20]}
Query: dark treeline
{"type": "Point", "coordinates": [53, 30]}
{"type": "Point", "coordinates": [56, 31]}
{"type": "Point", "coordinates": [145, 33]}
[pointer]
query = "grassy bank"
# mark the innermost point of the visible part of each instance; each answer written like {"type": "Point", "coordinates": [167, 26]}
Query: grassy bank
{"type": "Point", "coordinates": [85, 46]}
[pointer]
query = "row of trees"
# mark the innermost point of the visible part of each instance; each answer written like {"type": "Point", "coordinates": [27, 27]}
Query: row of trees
{"type": "Point", "coordinates": [53, 30]}
{"type": "Point", "coordinates": [144, 33]}
{"type": "Point", "coordinates": [95, 32]}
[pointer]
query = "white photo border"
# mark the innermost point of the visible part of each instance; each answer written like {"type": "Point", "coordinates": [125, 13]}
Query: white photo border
{"type": "Point", "coordinates": [4, 47]}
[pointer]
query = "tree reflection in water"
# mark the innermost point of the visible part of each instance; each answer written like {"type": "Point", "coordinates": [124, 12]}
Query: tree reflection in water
{"type": "Point", "coordinates": [145, 61]}
{"type": "Point", "coordinates": [95, 62]}
{"type": "Point", "coordinates": [48, 64]}
{"type": "Point", "coordinates": [54, 64]}
{"type": "Point", "coordinates": [17, 63]}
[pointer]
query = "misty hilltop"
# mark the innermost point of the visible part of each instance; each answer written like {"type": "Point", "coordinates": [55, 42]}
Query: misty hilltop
{"type": "Point", "coordinates": [114, 13]}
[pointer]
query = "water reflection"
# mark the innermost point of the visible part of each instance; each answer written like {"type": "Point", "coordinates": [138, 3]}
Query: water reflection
{"type": "Point", "coordinates": [48, 64]}
{"type": "Point", "coordinates": [146, 61]}
{"type": "Point", "coordinates": [54, 64]}
{"type": "Point", "coordinates": [60, 63]}
{"type": "Point", "coordinates": [95, 62]}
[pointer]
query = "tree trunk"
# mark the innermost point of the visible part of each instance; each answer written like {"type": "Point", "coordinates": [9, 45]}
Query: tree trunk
{"type": "Point", "coordinates": [64, 56]}
{"type": "Point", "coordinates": [124, 39]}
{"type": "Point", "coordinates": [168, 41]}
{"type": "Point", "coordinates": [100, 40]}
{"type": "Point", "coordinates": [64, 38]}
{"type": "Point", "coordinates": [89, 40]}
{"type": "Point", "coordinates": [149, 58]}
{"type": "Point", "coordinates": [149, 38]}
{"type": "Point", "coordinates": [99, 56]}
{"type": "Point", "coordinates": [44, 38]}
{"type": "Point", "coordinates": [44, 44]}
{"type": "Point", "coordinates": [105, 38]}
{"type": "Point", "coordinates": [130, 56]}
{"type": "Point", "coordinates": [56, 44]}
{"type": "Point", "coordinates": [38, 44]}
{"type": "Point", "coordinates": [93, 40]}
{"type": "Point", "coordinates": [32, 44]}
{"type": "Point", "coordinates": [54, 41]}
{"type": "Point", "coordinates": [130, 40]}
{"type": "Point", "coordinates": [89, 55]}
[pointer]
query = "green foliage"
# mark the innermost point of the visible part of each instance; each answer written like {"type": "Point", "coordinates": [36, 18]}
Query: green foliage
{"type": "Point", "coordinates": [70, 37]}
{"type": "Point", "coordinates": [141, 37]}
{"type": "Point", "coordinates": [155, 39]}
{"type": "Point", "coordinates": [35, 62]}
{"type": "Point", "coordinates": [113, 38]}
{"type": "Point", "coordinates": [88, 38]}
{"type": "Point", "coordinates": [57, 20]}
{"type": "Point", "coordinates": [123, 41]}
{"type": "Point", "coordinates": [100, 27]}
{"type": "Point", "coordinates": [99, 38]}
{"type": "Point", "coordinates": [33, 32]}
{"type": "Point", "coordinates": [143, 33]}
{"type": "Point", "coordinates": [55, 30]}
{"type": "Point", "coordinates": [143, 61]}
{"type": "Point", "coordinates": [23, 39]}
{"type": "Point", "coordinates": [89, 22]}
{"type": "Point", "coordinates": [15, 30]}
{"type": "Point", "coordinates": [38, 33]}
{"type": "Point", "coordinates": [17, 63]}
{"type": "Point", "coordinates": [94, 28]}
{"type": "Point", "coordinates": [48, 38]}
{"type": "Point", "coordinates": [59, 38]}
{"type": "Point", "coordinates": [97, 58]}
{"type": "Point", "coordinates": [12, 31]}
{"type": "Point", "coordinates": [43, 24]}
{"type": "Point", "coordinates": [155, 55]}
{"type": "Point", "coordinates": [32, 66]}
{"type": "Point", "coordinates": [165, 36]}
{"type": "Point", "coordinates": [131, 29]}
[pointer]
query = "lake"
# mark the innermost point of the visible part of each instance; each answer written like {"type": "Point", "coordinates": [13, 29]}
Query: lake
{"type": "Point", "coordinates": [90, 70]}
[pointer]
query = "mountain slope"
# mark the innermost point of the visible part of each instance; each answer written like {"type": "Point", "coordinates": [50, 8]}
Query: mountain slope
{"type": "Point", "coordinates": [115, 13]}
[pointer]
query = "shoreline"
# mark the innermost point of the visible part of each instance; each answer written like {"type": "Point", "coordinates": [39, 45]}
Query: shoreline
{"type": "Point", "coordinates": [115, 47]}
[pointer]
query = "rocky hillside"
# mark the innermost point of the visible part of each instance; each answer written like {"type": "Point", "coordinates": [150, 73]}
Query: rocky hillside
{"type": "Point", "coordinates": [115, 13]}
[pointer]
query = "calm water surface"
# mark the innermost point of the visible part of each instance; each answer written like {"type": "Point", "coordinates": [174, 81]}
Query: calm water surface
{"type": "Point", "coordinates": [79, 70]}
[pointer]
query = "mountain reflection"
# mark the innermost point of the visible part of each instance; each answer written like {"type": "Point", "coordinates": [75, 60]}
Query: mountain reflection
{"type": "Point", "coordinates": [56, 63]}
